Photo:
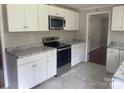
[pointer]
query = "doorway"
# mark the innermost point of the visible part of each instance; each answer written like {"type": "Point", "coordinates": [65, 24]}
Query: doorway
{"type": "Point", "coordinates": [98, 32]}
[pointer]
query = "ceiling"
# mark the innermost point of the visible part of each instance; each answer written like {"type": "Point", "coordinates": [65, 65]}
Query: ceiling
{"type": "Point", "coordinates": [84, 6]}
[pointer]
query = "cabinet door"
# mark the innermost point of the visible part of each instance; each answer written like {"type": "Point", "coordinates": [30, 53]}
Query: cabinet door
{"type": "Point", "coordinates": [112, 60]}
{"type": "Point", "coordinates": [56, 11]}
{"type": "Point", "coordinates": [26, 76]}
{"type": "Point", "coordinates": [76, 20]}
{"type": "Point", "coordinates": [51, 66]}
{"type": "Point", "coordinates": [44, 69]}
{"type": "Point", "coordinates": [72, 15]}
{"type": "Point", "coordinates": [67, 19]}
{"type": "Point", "coordinates": [81, 52]}
{"type": "Point", "coordinates": [15, 14]}
{"type": "Point", "coordinates": [38, 72]}
{"type": "Point", "coordinates": [117, 18]}
{"type": "Point", "coordinates": [74, 56]}
{"type": "Point", "coordinates": [43, 17]}
{"type": "Point", "coordinates": [31, 17]}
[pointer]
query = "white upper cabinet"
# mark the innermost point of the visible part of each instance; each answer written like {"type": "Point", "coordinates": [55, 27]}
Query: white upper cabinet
{"type": "Point", "coordinates": [22, 18]}
{"type": "Point", "coordinates": [118, 18]}
{"type": "Point", "coordinates": [76, 20]}
{"type": "Point", "coordinates": [31, 17]}
{"type": "Point", "coordinates": [72, 20]}
{"type": "Point", "coordinates": [56, 11]}
{"type": "Point", "coordinates": [16, 15]}
{"type": "Point", "coordinates": [43, 17]}
{"type": "Point", "coordinates": [34, 17]}
{"type": "Point", "coordinates": [67, 19]}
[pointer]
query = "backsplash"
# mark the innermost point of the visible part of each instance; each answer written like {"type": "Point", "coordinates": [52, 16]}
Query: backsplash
{"type": "Point", "coordinates": [117, 36]}
{"type": "Point", "coordinates": [24, 38]}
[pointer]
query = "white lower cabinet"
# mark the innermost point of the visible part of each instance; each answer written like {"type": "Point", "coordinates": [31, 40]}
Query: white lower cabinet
{"type": "Point", "coordinates": [27, 72]}
{"type": "Point", "coordinates": [117, 83]}
{"type": "Point", "coordinates": [77, 53]}
{"type": "Point", "coordinates": [51, 66]}
{"type": "Point", "coordinates": [26, 76]}
{"type": "Point", "coordinates": [112, 60]}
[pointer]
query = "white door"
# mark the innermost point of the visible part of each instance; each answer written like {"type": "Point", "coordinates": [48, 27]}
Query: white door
{"type": "Point", "coordinates": [43, 17]}
{"type": "Point", "coordinates": [51, 66]}
{"type": "Point", "coordinates": [26, 76]}
{"type": "Point", "coordinates": [38, 72]}
{"type": "Point", "coordinates": [117, 18]}
{"type": "Point", "coordinates": [15, 14]}
{"type": "Point", "coordinates": [31, 17]}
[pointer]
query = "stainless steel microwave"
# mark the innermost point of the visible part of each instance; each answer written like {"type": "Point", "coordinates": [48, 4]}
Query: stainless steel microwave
{"type": "Point", "coordinates": [56, 23]}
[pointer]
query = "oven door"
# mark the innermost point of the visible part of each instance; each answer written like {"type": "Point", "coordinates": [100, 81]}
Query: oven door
{"type": "Point", "coordinates": [56, 23]}
{"type": "Point", "coordinates": [63, 56]}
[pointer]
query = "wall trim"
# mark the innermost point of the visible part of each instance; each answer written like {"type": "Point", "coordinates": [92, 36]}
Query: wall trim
{"type": "Point", "coordinates": [3, 48]}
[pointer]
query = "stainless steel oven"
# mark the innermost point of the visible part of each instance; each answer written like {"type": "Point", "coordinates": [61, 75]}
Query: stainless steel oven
{"type": "Point", "coordinates": [56, 23]}
{"type": "Point", "coordinates": [63, 54]}
{"type": "Point", "coordinates": [63, 60]}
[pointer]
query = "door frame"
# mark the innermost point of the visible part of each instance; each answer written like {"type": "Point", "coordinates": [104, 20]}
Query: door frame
{"type": "Point", "coordinates": [87, 30]}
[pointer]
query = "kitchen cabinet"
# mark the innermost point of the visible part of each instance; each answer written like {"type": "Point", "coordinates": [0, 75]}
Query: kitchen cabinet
{"type": "Point", "coordinates": [117, 83]}
{"type": "Point", "coordinates": [29, 71]}
{"type": "Point", "coordinates": [34, 17]}
{"type": "Point", "coordinates": [72, 20]}
{"type": "Point", "coordinates": [77, 53]}
{"type": "Point", "coordinates": [43, 17]}
{"type": "Point", "coordinates": [68, 19]}
{"type": "Point", "coordinates": [118, 18]}
{"type": "Point", "coordinates": [51, 66]}
{"type": "Point", "coordinates": [76, 20]}
{"type": "Point", "coordinates": [29, 75]}
{"type": "Point", "coordinates": [112, 60]}
{"type": "Point", "coordinates": [15, 14]}
{"type": "Point", "coordinates": [31, 17]}
{"type": "Point", "coordinates": [22, 18]}
{"type": "Point", "coordinates": [56, 11]}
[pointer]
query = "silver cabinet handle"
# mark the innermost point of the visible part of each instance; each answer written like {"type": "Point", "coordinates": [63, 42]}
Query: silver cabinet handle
{"type": "Point", "coordinates": [63, 48]}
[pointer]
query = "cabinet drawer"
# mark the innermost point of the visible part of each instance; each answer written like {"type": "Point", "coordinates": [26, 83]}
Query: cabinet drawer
{"type": "Point", "coordinates": [29, 59]}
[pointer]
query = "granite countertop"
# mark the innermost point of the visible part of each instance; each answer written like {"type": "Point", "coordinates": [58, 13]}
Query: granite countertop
{"type": "Point", "coordinates": [119, 46]}
{"type": "Point", "coordinates": [72, 42]}
{"type": "Point", "coordinates": [27, 50]}
{"type": "Point", "coordinates": [119, 74]}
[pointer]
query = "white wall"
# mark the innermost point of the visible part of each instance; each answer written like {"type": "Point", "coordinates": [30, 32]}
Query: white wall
{"type": "Point", "coordinates": [83, 17]}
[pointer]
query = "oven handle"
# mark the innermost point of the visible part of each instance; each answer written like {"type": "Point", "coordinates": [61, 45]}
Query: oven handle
{"type": "Point", "coordinates": [63, 48]}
